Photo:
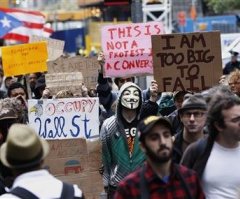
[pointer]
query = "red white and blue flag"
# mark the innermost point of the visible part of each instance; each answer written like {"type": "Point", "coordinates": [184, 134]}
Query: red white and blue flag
{"type": "Point", "coordinates": [16, 24]}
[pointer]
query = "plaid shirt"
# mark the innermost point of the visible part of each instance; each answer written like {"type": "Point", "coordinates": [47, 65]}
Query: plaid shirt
{"type": "Point", "coordinates": [173, 189]}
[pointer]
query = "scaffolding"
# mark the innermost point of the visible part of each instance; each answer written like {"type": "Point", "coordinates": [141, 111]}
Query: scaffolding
{"type": "Point", "coordinates": [158, 10]}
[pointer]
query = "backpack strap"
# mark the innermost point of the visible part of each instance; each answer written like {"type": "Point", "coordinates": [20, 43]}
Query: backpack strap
{"type": "Point", "coordinates": [143, 186]}
{"type": "Point", "coordinates": [23, 193]}
{"type": "Point", "coordinates": [68, 191]}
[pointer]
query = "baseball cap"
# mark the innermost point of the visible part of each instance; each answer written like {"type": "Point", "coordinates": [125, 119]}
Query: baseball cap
{"type": "Point", "coordinates": [148, 123]}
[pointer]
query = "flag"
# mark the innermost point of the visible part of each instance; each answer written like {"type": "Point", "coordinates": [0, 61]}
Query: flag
{"type": "Point", "coordinates": [47, 30]}
{"type": "Point", "coordinates": [7, 23]}
{"type": "Point", "coordinates": [19, 24]}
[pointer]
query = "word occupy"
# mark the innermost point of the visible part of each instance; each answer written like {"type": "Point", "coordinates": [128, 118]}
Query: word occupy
{"type": "Point", "coordinates": [83, 105]}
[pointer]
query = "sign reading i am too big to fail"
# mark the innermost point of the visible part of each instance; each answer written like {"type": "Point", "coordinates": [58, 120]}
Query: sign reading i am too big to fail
{"type": "Point", "coordinates": [190, 61]}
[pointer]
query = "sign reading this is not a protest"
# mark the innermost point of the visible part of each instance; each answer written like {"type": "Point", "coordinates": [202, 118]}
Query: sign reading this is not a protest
{"type": "Point", "coordinates": [190, 61]}
{"type": "Point", "coordinates": [127, 48]}
{"type": "Point", "coordinates": [65, 118]}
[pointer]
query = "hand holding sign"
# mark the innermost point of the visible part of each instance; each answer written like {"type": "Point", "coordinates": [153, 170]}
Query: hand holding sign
{"type": "Point", "coordinates": [153, 91]}
{"type": "Point", "coordinates": [46, 93]}
{"type": "Point", "coordinates": [101, 60]}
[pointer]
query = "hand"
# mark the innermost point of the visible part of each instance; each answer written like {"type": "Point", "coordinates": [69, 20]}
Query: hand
{"type": "Point", "coordinates": [153, 91]}
{"type": "Point", "coordinates": [222, 79]}
{"type": "Point", "coordinates": [22, 100]}
{"type": "Point", "coordinates": [84, 90]}
{"type": "Point", "coordinates": [101, 60]}
{"type": "Point", "coordinates": [46, 93]}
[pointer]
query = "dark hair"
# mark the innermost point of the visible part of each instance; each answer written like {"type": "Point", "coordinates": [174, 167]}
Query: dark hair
{"type": "Point", "coordinates": [4, 126]}
{"type": "Point", "coordinates": [215, 115]}
{"type": "Point", "coordinates": [34, 167]}
{"type": "Point", "coordinates": [117, 80]}
{"type": "Point", "coordinates": [14, 86]}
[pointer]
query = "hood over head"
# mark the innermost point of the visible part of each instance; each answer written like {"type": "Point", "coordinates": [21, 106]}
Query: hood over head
{"type": "Point", "coordinates": [120, 95]}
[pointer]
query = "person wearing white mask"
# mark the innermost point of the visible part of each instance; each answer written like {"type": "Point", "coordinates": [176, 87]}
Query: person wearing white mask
{"type": "Point", "coordinates": [120, 149]}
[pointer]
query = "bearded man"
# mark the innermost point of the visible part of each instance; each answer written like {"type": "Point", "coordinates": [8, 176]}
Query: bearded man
{"type": "Point", "coordinates": [159, 177]}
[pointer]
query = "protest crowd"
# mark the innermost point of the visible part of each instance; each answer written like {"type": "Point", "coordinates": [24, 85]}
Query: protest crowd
{"type": "Point", "coordinates": [177, 139]}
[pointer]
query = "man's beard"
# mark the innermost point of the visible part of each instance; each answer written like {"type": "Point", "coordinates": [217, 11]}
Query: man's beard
{"type": "Point", "coordinates": [32, 86]}
{"type": "Point", "coordinates": [157, 158]}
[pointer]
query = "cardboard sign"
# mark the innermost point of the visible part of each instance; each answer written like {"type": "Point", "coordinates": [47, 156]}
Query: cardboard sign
{"type": "Point", "coordinates": [24, 59]}
{"type": "Point", "coordinates": [65, 118]}
{"type": "Point", "coordinates": [65, 81]}
{"type": "Point", "coordinates": [127, 48]}
{"type": "Point", "coordinates": [77, 161]}
{"type": "Point", "coordinates": [87, 66]}
{"type": "Point", "coordinates": [190, 61]}
{"type": "Point", "coordinates": [54, 46]}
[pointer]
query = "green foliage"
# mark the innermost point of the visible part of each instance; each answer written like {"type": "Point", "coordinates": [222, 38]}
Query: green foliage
{"type": "Point", "coordinates": [221, 6]}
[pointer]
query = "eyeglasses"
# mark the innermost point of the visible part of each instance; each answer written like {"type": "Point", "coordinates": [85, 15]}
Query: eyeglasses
{"type": "Point", "coordinates": [196, 114]}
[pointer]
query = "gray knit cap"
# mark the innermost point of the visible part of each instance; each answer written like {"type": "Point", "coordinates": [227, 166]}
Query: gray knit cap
{"type": "Point", "coordinates": [195, 101]}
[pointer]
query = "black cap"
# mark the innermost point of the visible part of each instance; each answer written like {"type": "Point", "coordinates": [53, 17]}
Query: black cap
{"type": "Point", "coordinates": [233, 53]}
{"type": "Point", "coordinates": [148, 123]}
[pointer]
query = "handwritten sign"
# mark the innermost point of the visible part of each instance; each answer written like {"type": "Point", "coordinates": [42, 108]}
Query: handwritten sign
{"type": "Point", "coordinates": [189, 61]}
{"type": "Point", "coordinates": [127, 48]}
{"type": "Point", "coordinates": [54, 46]}
{"type": "Point", "coordinates": [77, 161]}
{"type": "Point", "coordinates": [87, 66]}
{"type": "Point", "coordinates": [65, 118]}
{"type": "Point", "coordinates": [24, 59]}
{"type": "Point", "coordinates": [65, 81]}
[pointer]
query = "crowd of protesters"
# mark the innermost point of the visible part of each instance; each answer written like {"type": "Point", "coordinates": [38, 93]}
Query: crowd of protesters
{"type": "Point", "coordinates": [154, 144]}
{"type": "Point", "coordinates": [184, 152]}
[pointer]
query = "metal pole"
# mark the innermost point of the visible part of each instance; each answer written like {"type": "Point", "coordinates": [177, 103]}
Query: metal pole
{"type": "Point", "coordinates": [136, 11]}
{"type": "Point", "coordinates": [137, 17]}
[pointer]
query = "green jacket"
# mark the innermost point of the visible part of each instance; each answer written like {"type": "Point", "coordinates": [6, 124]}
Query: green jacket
{"type": "Point", "coordinates": [116, 159]}
{"type": "Point", "coordinates": [115, 153]}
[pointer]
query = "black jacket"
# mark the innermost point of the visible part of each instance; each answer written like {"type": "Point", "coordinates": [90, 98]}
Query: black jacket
{"type": "Point", "coordinates": [196, 155]}
{"type": "Point", "coordinates": [177, 147]}
{"type": "Point", "coordinates": [176, 122]}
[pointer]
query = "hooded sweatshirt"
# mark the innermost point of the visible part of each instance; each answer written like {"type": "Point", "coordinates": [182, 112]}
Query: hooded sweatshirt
{"type": "Point", "coordinates": [119, 157]}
